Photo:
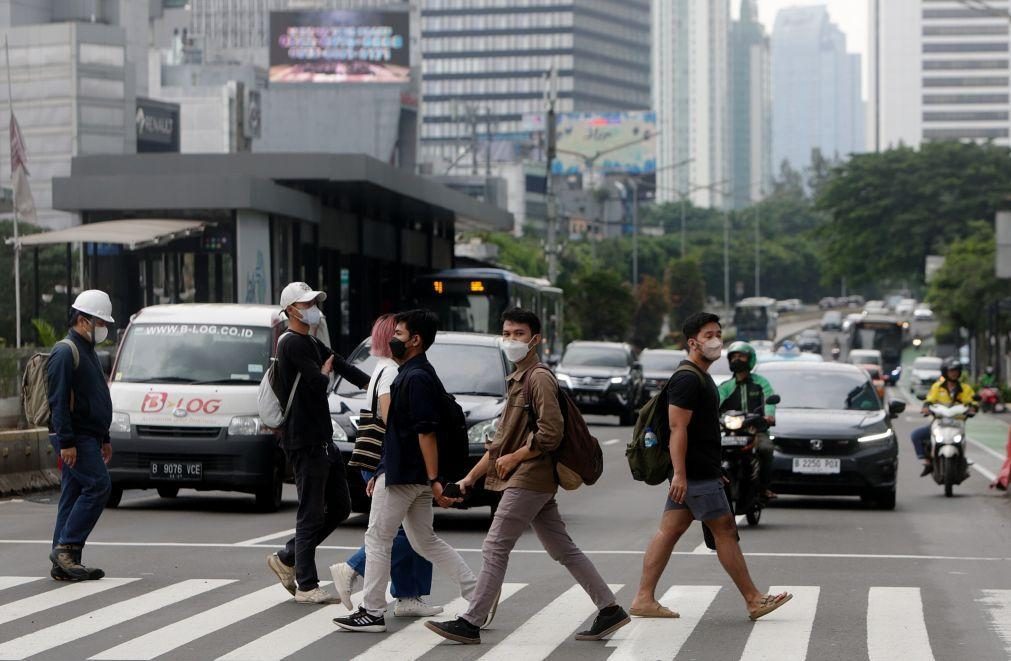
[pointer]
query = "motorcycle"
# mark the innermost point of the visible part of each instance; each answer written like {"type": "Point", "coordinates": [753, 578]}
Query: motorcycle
{"type": "Point", "coordinates": [990, 400]}
{"type": "Point", "coordinates": [947, 445]}
{"type": "Point", "coordinates": [740, 460]}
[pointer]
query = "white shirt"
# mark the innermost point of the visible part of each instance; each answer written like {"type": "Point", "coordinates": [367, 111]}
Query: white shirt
{"type": "Point", "coordinates": [382, 379]}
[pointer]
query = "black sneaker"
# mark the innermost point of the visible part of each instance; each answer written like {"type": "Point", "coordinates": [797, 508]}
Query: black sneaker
{"type": "Point", "coordinates": [607, 622]}
{"type": "Point", "coordinates": [94, 573]}
{"type": "Point", "coordinates": [927, 470]}
{"type": "Point", "coordinates": [64, 558]}
{"type": "Point", "coordinates": [362, 620]}
{"type": "Point", "coordinates": [458, 630]}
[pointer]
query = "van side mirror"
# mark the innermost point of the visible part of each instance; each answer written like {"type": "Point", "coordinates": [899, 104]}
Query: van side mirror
{"type": "Point", "coordinates": [895, 407]}
{"type": "Point", "coordinates": [772, 401]}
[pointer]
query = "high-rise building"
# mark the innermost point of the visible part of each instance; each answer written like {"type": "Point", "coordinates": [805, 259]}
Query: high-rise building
{"type": "Point", "coordinates": [751, 108]}
{"type": "Point", "coordinates": [484, 64]}
{"type": "Point", "coordinates": [817, 102]}
{"type": "Point", "coordinates": [691, 96]}
{"type": "Point", "coordinates": [938, 71]}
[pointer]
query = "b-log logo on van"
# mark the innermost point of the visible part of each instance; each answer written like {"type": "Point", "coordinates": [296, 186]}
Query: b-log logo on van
{"type": "Point", "coordinates": [156, 402]}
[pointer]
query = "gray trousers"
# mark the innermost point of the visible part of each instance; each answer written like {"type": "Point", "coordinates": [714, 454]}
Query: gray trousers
{"type": "Point", "coordinates": [518, 509]}
{"type": "Point", "coordinates": [410, 505]}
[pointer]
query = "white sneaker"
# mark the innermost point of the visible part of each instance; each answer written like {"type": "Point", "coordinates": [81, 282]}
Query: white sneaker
{"type": "Point", "coordinates": [284, 573]}
{"type": "Point", "coordinates": [345, 579]}
{"type": "Point", "coordinates": [315, 596]}
{"type": "Point", "coordinates": [415, 607]}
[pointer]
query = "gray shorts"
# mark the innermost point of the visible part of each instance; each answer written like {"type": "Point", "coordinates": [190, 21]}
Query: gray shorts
{"type": "Point", "coordinates": [706, 500]}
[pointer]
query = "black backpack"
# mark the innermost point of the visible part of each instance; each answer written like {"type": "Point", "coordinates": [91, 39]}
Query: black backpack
{"type": "Point", "coordinates": [452, 438]}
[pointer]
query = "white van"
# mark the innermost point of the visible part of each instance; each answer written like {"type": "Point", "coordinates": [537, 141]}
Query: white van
{"type": "Point", "coordinates": [184, 388]}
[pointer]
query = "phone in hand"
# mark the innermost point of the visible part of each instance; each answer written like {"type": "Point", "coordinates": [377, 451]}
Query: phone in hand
{"type": "Point", "coordinates": [452, 490]}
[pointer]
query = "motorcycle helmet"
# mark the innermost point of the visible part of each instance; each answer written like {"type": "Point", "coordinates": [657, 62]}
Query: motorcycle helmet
{"type": "Point", "coordinates": [989, 370]}
{"type": "Point", "coordinates": [951, 364]}
{"type": "Point", "coordinates": [745, 348]}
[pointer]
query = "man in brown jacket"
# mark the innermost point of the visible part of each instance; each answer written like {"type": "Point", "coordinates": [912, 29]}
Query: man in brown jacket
{"type": "Point", "coordinates": [518, 463]}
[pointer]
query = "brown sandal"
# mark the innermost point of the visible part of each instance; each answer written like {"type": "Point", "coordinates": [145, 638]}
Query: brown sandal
{"type": "Point", "coordinates": [769, 603]}
{"type": "Point", "coordinates": [660, 611]}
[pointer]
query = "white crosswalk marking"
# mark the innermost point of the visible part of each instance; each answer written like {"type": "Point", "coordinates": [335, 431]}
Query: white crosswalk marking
{"type": "Point", "coordinates": [103, 618]}
{"type": "Point", "coordinates": [414, 641]}
{"type": "Point", "coordinates": [538, 637]}
{"type": "Point", "coordinates": [14, 581]}
{"type": "Point", "coordinates": [997, 604]}
{"type": "Point", "coordinates": [185, 631]}
{"type": "Point", "coordinates": [785, 633]}
{"type": "Point", "coordinates": [895, 625]}
{"type": "Point", "coordinates": [62, 595]}
{"type": "Point", "coordinates": [649, 638]}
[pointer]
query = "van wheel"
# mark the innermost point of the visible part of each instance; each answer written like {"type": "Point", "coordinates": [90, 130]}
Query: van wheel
{"type": "Point", "coordinates": [268, 497]}
{"type": "Point", "coordinates": [168, 492]}
{"type": "Point", "coordinates": [115, 496]}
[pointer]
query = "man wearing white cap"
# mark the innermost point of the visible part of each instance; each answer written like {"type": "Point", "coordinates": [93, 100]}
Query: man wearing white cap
{"type": "Point", "coordinates": [323, 497]}
{"type": "Point", "coordinates": [79, 430]}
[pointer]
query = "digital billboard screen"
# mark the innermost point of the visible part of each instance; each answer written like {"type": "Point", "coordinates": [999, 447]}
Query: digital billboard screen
{"type": "Point", "coordinates": [339, 47]}
{"type": "Point", "coordinates": [604, 142]}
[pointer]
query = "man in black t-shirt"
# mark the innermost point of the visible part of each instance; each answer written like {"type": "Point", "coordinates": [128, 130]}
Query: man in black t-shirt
{"type": "Point", "coordinates": [696, 490]}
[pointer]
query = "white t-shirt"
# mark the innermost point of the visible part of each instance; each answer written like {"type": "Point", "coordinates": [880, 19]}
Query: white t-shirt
{"type": "Point", "coordinates": [382, 378]}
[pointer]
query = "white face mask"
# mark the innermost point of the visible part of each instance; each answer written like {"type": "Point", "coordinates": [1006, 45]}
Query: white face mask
{"type": "Point", "coordinates": [712, 349]}
{"type": "Point", "coordinates": [311, 316]}
{"type": "Point", "coordinates": [100, 333]}
{"type": "Point", "coordinates": [514, 350]}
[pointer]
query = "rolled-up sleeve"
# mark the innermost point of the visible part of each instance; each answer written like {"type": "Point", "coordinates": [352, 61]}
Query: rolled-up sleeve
{"type": "Point", "coordinates": [60, 379]}
{"type": "Point", "coordinates": [547, 435]}
{"type": "Point", "coordinates": [423, 403]}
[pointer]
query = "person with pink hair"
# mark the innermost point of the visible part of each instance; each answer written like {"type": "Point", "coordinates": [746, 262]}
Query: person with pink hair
{"type": "Point", "coordinates": [410, 574]}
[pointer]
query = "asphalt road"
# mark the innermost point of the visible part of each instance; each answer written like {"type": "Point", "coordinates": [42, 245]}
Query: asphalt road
{"type": "Point", "coordinates": [930, 580]}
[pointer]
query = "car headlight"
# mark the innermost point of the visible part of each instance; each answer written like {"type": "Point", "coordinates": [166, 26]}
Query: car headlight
{"type": "Point", "coordinates": [882, 436]}
{"type": "Point", "coordinates": [120, 423]}
{"type": "Point", "coordinates": [245, 425]}
{"type": "Point", "coordinates": [478, 434]}
{"type": "Point", "coordinates": [339, 435]}
{"type": "Point", "coordinates": [563, 379]}
{"type": "Point", "coordinates": [733, 422]}
{"type": "Point", "coordinates": [618, 380]}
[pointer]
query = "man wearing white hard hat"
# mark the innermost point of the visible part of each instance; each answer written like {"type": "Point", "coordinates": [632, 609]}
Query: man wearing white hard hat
{"type": "Point", "coordinates": [79, 430]}
{"type": "Point", "coordinates": [323, 497]}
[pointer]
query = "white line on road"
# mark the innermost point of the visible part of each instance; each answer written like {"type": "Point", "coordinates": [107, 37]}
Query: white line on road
{"type": "Point", "coordinates": [613, 441]}
{"type": "Point", "coordinates": [538, 637]}
{"type": "Point", "coordinates": [649, 638]}
{"type": "Point", "coordinates": [14, 581]}
{"type": "Point", "coordinates": [785, 634]}
{"type": "Point", "coordinates": [183, 632]}
{"type": "Point", "coordinates": [415, 640]}
{"type": "Point", "coordinates": [58, 597]}
{"type": "Point", "coordinates": [104, 618]}
{"type": "Point", "coordinates": [987, 449]}
{"type": "Point", "coordinates": [264, 538]}
{"type": "Point", "coordinates": [702, 549]}
{"type": "Point", "coordinates": [997, 604]}
{"type": "Point", "coordinates": [895, 625]}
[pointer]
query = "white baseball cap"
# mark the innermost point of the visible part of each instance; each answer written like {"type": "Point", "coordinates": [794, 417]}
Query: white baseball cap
{"type": "Point", "coordinates": [299, 292]}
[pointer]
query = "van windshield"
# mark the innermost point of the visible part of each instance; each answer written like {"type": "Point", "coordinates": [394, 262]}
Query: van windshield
{"type": "Point", "coordinates": [194, 353]}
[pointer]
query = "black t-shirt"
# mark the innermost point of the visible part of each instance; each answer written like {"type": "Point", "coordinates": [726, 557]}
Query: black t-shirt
{"type": "Point", "coordinates": [700, 396]}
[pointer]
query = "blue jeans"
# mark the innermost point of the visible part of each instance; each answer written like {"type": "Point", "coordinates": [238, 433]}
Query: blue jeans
{"type": "Point", "coordinates": [84, 490]}
{"type": "Point", "coordinates": [921, 438]}
{"type": "Point", "coordinates": [410, 574]}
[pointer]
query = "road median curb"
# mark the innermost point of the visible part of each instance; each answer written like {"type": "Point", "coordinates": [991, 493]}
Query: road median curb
{"type": "Point", "coordinates": [26, 462]}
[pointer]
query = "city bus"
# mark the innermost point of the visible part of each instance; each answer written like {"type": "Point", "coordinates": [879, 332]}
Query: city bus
{"type": "Point", "coordinates": [756, 319]}
{"type": "Point", "coordinates": [472, 300]}
{"type": "Point", "coordinates": [886, 334]}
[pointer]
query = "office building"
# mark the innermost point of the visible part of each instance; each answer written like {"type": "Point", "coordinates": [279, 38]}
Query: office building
{"type": "Point", "coordinates": [691, 96]}
{"type": "Point", "coordinates": [938, 71]}
{"type": "Point", "coordinates": [817, 102]}
{"type": "Point", "coordinates": [751, 108]}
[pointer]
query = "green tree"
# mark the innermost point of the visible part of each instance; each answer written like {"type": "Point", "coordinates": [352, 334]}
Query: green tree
{"type": "Point", "coordinates": [52, 271]}
{"type": "Point", "coordinates": [651, 306]}
{"type": "Point", "coordinates": [687, 290]}
{"type": "Point", "coordinates": [598, 304]}
{"type": "Point", "coordinates": [888, 211]}
{"type": "Point", "coordinates": [966, 286]}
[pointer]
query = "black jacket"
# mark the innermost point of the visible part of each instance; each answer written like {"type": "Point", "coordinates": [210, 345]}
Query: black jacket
{"type": "Point", "coordinates": [309, 419]}
{"type": "Point", "coordinates": [92, 412]}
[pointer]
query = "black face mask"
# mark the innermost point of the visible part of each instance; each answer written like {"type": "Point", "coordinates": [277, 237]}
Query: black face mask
{"type": "Point", "coordinates": [398, 348]}
{"type": "Point", "coordinates": [738, 366]}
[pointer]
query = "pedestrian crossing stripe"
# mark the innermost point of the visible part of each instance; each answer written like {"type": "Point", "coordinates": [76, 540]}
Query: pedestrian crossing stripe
{"type": "Point", "coordinates": [895, 623]}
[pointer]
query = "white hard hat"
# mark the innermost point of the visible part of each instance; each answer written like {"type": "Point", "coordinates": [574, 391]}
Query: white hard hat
{"type": "Point", "coordinates": [299, 292]}
{"type": "Point", "coordinates": [96, 303]}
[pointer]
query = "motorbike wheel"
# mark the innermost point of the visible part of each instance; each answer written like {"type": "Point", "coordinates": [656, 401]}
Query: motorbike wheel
{"type": "Point", "coordinates": [949, 476]}
{"type": "Point", "coordinates": [754, 516]}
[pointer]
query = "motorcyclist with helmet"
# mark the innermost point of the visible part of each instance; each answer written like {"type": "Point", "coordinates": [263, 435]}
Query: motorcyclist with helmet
{"type": "Point", "coordinates": [989, 378]}
{"type": "Point", "coordinates": [946, 391]}
{"type": "Point", "coordinates": [749, 392]}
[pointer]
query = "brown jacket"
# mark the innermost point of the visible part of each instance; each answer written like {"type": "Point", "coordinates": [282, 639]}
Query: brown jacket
{"type": "Point", "coordinates": [514, 430]}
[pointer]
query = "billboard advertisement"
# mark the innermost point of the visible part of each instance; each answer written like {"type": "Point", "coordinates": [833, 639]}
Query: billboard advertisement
{"type": "Point", "coordinates": [604, 142]}
{"type": "Point", "coordinates": [339, 47]}
{"type": "Point", "coordinates": [157, 126]}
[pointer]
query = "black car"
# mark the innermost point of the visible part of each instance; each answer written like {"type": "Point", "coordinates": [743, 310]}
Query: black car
{"type": "Point", "coordinates": [833, 435]}
{"type": "Point", "coordinates": [810, 341]}
{"type": "Point", "coordinates": [657, 366]}
{"type": "Point", "coordinates": [473, 369]}
{"type": "Point", "coordinates": [603, 377]}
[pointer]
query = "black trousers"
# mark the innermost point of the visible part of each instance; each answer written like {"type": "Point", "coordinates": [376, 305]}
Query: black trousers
{"type": "Point", "coordinates": [323, 503]}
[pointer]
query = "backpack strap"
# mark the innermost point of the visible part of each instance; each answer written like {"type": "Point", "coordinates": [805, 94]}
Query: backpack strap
{"type": "Point", "coordinates": [690, 367]}
{"type": "Point", "coordinates": [527, 390]}
{"type": "Point", "coordinates": [73, 350]}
